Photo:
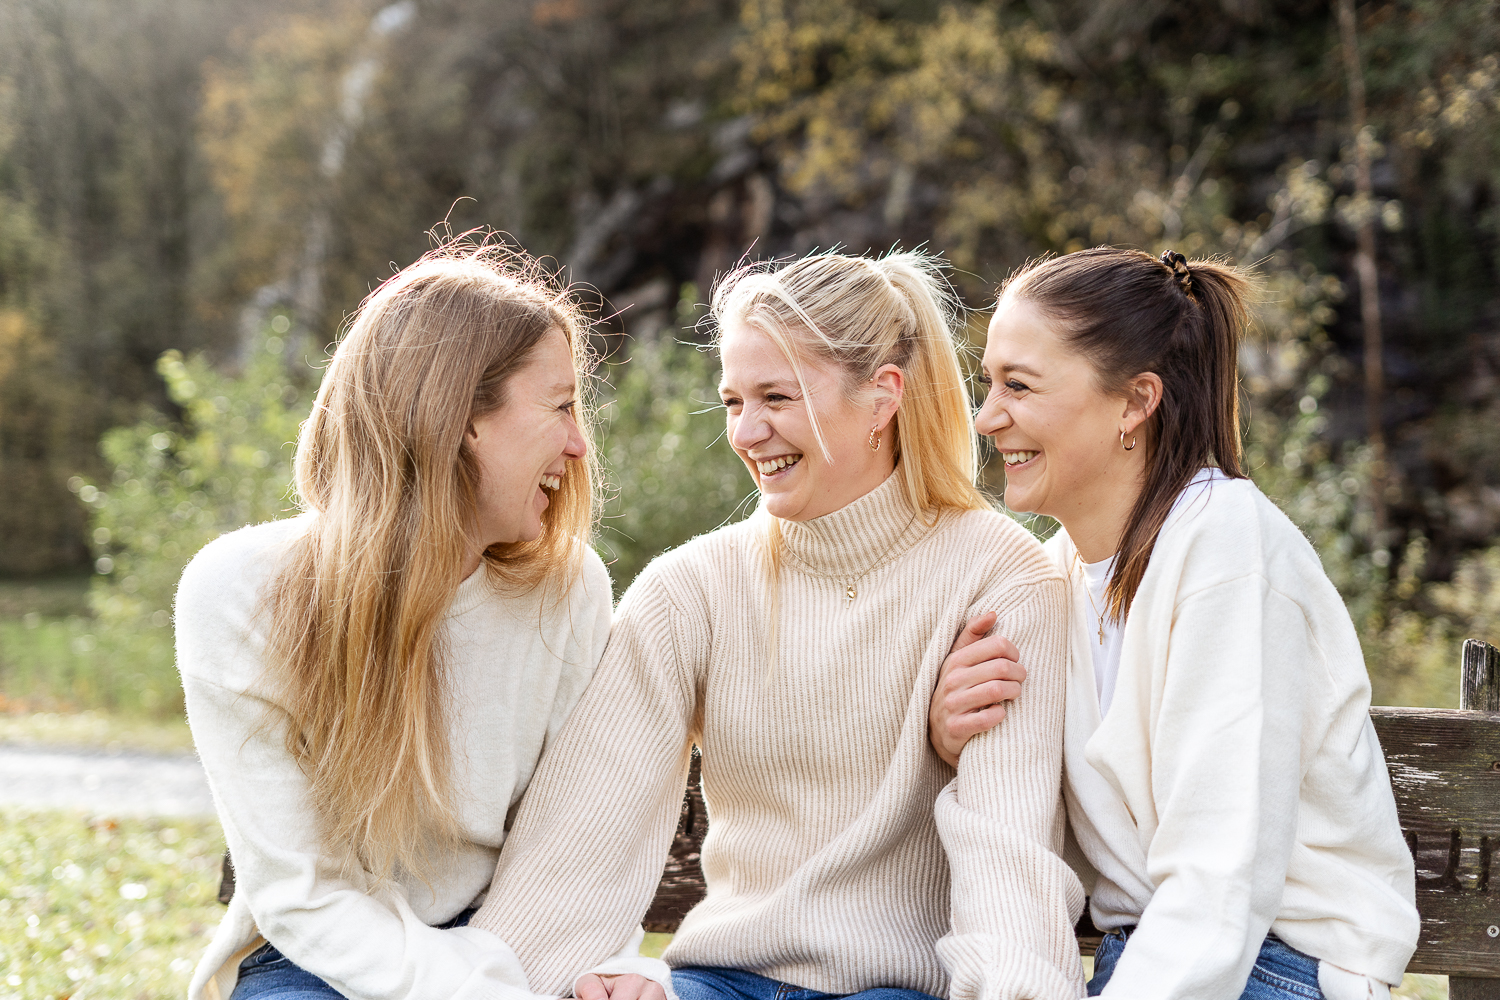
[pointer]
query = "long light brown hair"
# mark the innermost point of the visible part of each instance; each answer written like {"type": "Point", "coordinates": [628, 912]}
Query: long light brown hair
{"type": "Point", "coordinates": [356, 610]}
{"type": "Point", "coordinates": [859, 314]}
{"type": "Point", "coordinates": [1127, 312]}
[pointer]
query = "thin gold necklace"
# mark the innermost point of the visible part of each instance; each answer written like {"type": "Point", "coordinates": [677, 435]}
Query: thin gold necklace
{"type": "Point", "coordinates": [850, 591]}
{"type": "Point", "coordinates": [1089, 593]}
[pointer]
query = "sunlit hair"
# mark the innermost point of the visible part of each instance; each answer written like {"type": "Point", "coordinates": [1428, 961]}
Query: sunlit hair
{"type": "Point", "coordinates": [1127, 313]}
{"type": "Point", "coordinates": [857, 314]}
{"type": "Point", "coordinates": [356, 610]}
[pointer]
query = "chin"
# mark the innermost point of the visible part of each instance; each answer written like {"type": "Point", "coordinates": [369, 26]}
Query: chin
{"type": "Point", "coordinates": [1016, 500]}
{"type": "Point", "coordinates": [781, 505]}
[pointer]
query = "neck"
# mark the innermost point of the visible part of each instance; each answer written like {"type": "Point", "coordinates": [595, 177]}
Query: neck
{"type": "Point", "coordinates": [1096, 523]}
{"type": "Point", "coordinates": [472, 560]}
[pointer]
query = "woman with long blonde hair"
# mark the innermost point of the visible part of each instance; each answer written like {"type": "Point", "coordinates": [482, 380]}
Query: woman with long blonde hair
{"type": "Point", "coordinates": [798, 649]}
{"type": "Point", "coordinates": [370, 684]}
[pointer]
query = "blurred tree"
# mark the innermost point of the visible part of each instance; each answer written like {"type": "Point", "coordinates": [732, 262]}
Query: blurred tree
{"type": "Point", "coordinates": [671, 473]}
{"type": "Point", "coordinates": [177, 484]}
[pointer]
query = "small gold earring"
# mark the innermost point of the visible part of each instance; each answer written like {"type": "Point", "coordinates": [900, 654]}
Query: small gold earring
{"type": "Point", "coordinates": [874, 438]}
{"type": "Point", "coordinates": [1131, 445]}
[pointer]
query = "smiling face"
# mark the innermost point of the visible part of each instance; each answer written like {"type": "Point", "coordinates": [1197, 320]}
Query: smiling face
{"type": "Point", "coordinates": [770, 428]}
{"type": "Point", "coordinates": [1058, 434]}
{"type": "Point", "coordinates": [524, 446]}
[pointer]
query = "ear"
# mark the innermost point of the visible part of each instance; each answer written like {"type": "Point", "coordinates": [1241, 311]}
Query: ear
{"type": "Point", "coordinates": [471, 434]}
{"type": "Point", "coordinates": [1142, 397]}
{"type": "Point", "coordinates": [888, 383]}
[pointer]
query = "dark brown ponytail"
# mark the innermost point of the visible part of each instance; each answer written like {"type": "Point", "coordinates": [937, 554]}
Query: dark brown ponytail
{"type": "Point", "coordinates": [1127, 313]}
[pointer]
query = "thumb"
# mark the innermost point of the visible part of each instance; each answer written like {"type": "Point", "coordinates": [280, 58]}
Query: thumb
{"type": "Point", "coordinates": [974, 631]}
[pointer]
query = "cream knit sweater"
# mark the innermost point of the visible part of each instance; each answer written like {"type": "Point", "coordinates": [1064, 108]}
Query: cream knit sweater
{"type": "Point", "coordinates": [516, 667]}
{"type": "Point", "coordinates": [1235, 786]}
{"type": "Point", "coordinates": [823, 861]}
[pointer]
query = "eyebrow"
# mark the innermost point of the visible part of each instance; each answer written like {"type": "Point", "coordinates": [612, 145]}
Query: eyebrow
{"type": "Point", "coordinates": [561, 387]}
{"type": "Point", "coordinates": [763, 386]}
{"type": "Point", "coordinates": [1022, 369]}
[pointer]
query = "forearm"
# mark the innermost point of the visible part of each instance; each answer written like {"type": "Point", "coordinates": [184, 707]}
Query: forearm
{"type": "Point", "coordinates": [579, 868]}
{"type": "Point", "coordinates": [1014, 900]}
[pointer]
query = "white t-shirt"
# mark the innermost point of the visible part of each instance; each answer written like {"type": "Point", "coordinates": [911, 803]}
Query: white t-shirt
{"type": "Point", "coordinates": [1106, 632]}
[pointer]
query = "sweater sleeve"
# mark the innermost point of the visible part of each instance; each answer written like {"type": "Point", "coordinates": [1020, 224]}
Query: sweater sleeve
{"type": "Point", "coordinates": [1015, 900]}
{"type": "Point", "coordinates": [586, 853]}
{"type": "Point", "coordinates": [364, 941]}
{"type": "Point", "coordinates": [1225, 774]}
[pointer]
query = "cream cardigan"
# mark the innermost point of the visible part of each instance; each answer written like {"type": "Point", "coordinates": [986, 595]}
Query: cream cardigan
{"type": "Point", "coordinates": [823, 862]}
{"type": "Point", "coordinates": [516, 667]}
{"type": "Point", "coordinates": [1236, 785]}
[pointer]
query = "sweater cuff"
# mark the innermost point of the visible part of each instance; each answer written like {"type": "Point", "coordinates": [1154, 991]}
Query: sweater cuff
{"type": "Point", "coordinates": [629, 961]}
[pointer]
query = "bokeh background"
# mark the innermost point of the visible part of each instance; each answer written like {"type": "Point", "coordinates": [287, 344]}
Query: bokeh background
{"type": "Point", "coordinates": [194, 195]}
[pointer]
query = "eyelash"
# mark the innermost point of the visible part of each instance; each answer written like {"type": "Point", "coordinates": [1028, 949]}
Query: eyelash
{"type": "Point", "coordinates": [1011, 384]}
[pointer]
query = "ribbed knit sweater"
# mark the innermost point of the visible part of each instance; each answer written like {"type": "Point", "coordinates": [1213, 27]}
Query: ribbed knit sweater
{"type": "Point", "coordinates": [822, 861]}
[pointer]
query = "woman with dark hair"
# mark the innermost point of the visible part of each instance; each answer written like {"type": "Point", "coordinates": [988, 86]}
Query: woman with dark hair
{"type": "Point", "coordinates": [1222, 777]}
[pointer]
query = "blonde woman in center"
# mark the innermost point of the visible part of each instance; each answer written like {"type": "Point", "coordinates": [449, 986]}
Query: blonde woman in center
{"type": "Point", "coordinates": [799, 649]}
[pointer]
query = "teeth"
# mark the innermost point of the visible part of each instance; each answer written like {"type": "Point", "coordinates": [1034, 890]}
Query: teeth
{"type": "Point", "coordinates": [552, 482]}
{"type": "Point", "coordinates": [771, 465]}
{"type": "Point", "coordinates": [1017, 457]}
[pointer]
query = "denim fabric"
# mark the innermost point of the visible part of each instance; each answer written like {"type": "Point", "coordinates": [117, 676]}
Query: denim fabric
{"type": "Point", "coordinates": [269, 975]}
{"type": "Point", "coordinates": [1280, 973]}
{"type": "Point", "coordinates": [698, 983]}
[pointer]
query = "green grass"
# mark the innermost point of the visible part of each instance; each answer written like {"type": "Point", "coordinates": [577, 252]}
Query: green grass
{"type": "Point", "coordinates": [95, 729]}
{"type": "Point", "coordinates": [100, 908]}
{"type": "Point", "coordinates": [56, 657]}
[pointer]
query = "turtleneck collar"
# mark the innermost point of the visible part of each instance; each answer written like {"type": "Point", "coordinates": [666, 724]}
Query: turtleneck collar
{"type": "Point", "coordinates": [858, 539]}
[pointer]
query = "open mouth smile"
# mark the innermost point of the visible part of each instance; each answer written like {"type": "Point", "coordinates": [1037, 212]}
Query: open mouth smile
{"type": "Point", "coordinates": [1016, 459]}
{"type": "Point", "coordinates": [771, 466]}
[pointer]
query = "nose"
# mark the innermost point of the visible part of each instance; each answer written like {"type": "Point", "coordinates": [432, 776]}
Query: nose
{"type": "Point", "coordinates": [576, 448]}
{"type": "Point", "coordinates": [992, 417]}
{"type": "Point", "coordinates": [746, 429]}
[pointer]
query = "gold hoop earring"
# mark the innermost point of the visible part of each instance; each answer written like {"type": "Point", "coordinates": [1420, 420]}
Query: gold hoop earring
{"type": "Point", "coordinates": [1131, 445]}
{"type": "Point", "coordinates": [874, 438]}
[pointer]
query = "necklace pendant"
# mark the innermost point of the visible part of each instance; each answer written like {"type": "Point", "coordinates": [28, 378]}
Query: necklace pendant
{"type": "Point", "coordinates": [1101, 632]}
{"type": "Point", "coordinates": [850, 593]}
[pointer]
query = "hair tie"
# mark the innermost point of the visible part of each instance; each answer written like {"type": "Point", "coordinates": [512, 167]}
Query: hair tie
{"type": "Point", "coordinates": [1179, 266]}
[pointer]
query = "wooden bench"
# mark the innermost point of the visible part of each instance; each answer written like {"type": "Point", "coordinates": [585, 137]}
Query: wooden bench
{"type": "Point", "coordinates": [1445, 770]}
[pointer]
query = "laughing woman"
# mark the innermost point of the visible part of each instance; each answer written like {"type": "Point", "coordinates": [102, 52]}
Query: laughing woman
{"type": "Point", "coordinates": [1222, 775]}
{"type": "Point", "coordinates": [799, 649]}
{"type": "Point", "coordinates": [370, 684]}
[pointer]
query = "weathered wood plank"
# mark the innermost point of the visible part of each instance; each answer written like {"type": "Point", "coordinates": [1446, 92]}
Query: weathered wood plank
{"type": "Point", "coordinates": [1460, 988]}
{"type": "Point", "coordinates": [1445, 771]}
{"type": "Point", "coordinates": [1479, 685]}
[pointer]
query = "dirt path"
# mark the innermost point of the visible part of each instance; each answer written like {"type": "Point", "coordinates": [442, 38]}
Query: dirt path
{"type": "Point", "coordinates": [117, 783]}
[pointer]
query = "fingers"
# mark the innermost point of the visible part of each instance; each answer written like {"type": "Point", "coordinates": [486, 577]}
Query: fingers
{"type": "Point", "coordinates": [591, 987]}
{"type": "Point", "coordinates": [971, 699]}
{"type": "Point", "coordinates": [631, 987]}
{"type": "Point", "coordinates": [949, 738]}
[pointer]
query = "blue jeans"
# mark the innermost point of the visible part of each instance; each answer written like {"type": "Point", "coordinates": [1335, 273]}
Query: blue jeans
{"type": "Point", "coordinates": [269, 975]}
{"type": "Point", "coordinates": [1280, 973]}
{"type": "Point", "coordinates": [699, 983]}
